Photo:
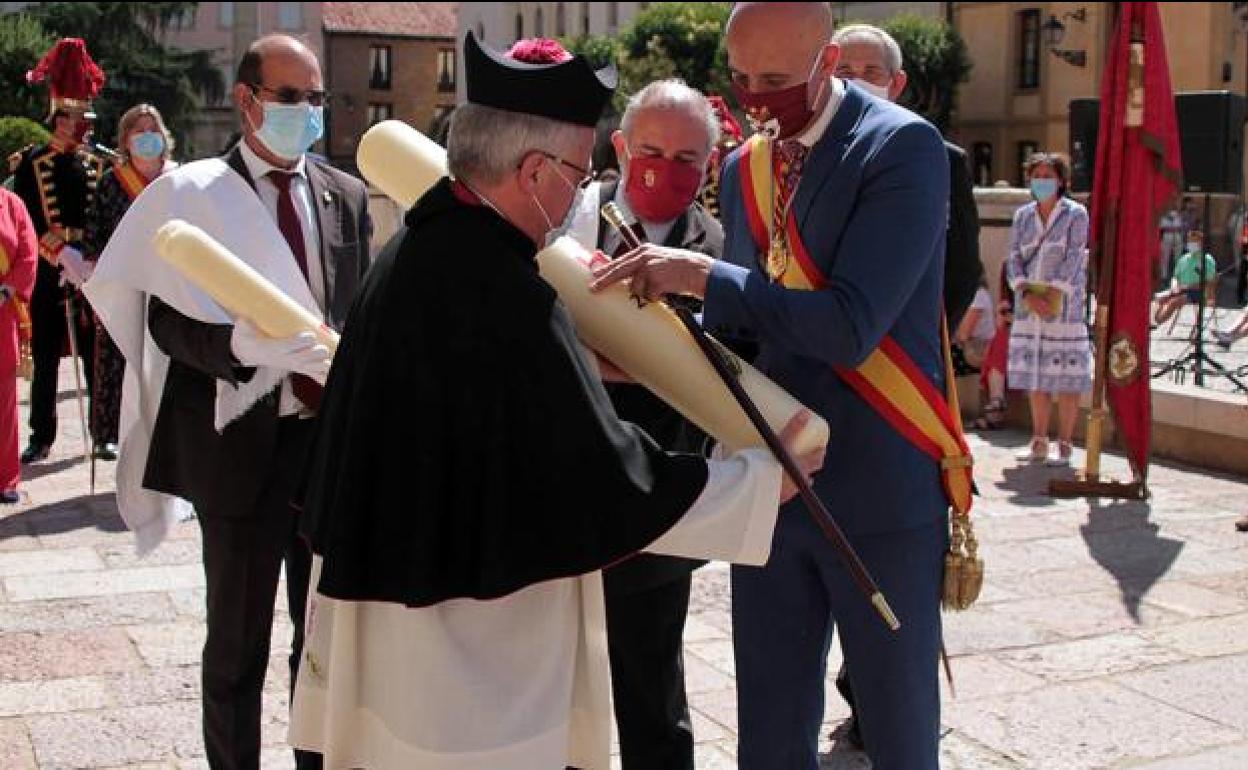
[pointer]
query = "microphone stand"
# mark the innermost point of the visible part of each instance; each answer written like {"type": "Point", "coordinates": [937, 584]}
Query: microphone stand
{"type": "Point", "coordinates": [814, 506]}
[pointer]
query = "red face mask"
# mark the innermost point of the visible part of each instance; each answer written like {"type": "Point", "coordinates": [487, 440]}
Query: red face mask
{"type": "Point", "coordinates": [781, 114]}
{"type": "Point", "coordinates": [82, 129]}
{"type": "Point", "coordinates": [660, 189]}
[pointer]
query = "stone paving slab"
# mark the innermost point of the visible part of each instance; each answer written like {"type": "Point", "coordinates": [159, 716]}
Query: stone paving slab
{"type": "Point", "coordinates": [1085, 724]}
{"type": "Point", "coordinates": [1109, 635]}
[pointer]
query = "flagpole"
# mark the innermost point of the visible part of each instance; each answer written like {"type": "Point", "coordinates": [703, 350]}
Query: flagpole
{"type": "Point", "coordinates": [1089, 483]}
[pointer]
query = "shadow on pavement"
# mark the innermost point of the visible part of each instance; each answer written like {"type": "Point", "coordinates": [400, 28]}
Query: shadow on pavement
{"type": "Point", "coordinates": [1030, 483]}
{"type": "Point", "coordinates": [1122, 540]}
{"type": "Point", "coordinates": [76, 513]}
{"type": "Point", "coordinates": [41, 469]}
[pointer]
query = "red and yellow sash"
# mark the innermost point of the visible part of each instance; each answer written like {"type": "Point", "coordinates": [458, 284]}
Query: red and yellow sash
{"type": "Point", "coordinates": [131, 180]}
{"type": "Point", "coordinates": [888, 380]}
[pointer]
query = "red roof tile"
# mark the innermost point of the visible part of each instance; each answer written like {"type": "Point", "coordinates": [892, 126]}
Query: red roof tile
{"type": "Point", "coordinates": [398, 19]}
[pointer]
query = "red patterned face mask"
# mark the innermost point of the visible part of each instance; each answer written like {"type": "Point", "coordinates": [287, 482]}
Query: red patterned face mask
{"type": "Point", "coordinates": [660, 189]}
{"type": "Point", "coordinates": [783, 113]}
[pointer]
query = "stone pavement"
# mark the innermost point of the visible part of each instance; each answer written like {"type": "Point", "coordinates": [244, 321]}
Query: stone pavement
{"type": "Point", "coordinates": [1109, 634]}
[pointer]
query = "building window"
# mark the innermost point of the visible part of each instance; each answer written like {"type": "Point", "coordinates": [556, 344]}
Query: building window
{"type": "Point", "coordinates": [981, 159]}
{"type": "Point", "coordinates": [519, 26]}
{"type": "Point", "coordinates": [379, 67]}
{"type": "Point", "coordinates": [561, 20]}
{"type": "Point", "coordinates": [539, 23]}
{"type": "Point", "coordinates": [584, 18]}
{"type": "Point", "coordinates": [613, 16]}
{"type": "Point", "coordinates": [290, 15]}
{"type": "Point", "coordinates": [1029, 48]}
{"type": "Point", "coordinates": [1026, 149]}
{"type": "Point", "coordinates": [225, 15]}
{"type": "Point", "coordinates": [185, 19]}
{"type": "Point", "coordinates": [446, 69]}
{"type": "Point", "coordinates": [379, 112]}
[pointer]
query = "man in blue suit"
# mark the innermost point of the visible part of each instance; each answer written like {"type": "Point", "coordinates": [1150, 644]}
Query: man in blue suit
{"type": "Point", "coordinates": [850, 256]}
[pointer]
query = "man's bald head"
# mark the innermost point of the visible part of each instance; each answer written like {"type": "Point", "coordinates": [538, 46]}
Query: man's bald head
{"type": "Point", "coordinates": [273, 48]}
{"type": "Point", "coordinates": [276, 70]}
{"type": "Point", "coordinates": [774, 45]}
{"type": "Point", "coordinates": [805, 25]}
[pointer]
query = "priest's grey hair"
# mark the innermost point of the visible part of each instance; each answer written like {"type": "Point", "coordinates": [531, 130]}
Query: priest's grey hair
{"type": "Point", "coordinates": [672, 94]}
{"type": "Point", "coordinates": [486, 144]}
{"type": "Point", "coordinates": [865, 33]}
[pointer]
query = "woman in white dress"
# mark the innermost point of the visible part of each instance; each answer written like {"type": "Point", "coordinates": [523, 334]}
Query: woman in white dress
{"type": "Point", "coordinates": [1050, 348]}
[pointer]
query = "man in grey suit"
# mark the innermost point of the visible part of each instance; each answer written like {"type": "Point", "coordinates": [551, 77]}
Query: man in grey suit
{"type": "Point", "coordinates": [242, 479]}
{"type": "Point", "coordinates": [663, 146]}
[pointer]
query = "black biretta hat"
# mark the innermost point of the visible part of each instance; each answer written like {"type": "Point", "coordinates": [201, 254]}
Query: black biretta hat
{"type": "Point", "coordinates": [569, 91]}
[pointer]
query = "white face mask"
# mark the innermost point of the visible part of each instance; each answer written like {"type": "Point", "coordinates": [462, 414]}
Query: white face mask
{"type": "Point", "coordinates": [1193, 247]}
{"type": "Point", "coordinates": [553, 233]}
{"type": "Point", "coordinates": [880, 92]}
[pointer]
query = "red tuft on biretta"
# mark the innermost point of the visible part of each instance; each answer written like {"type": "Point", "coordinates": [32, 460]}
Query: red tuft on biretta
{"type": "Point", "coordinates": [75, 78]}
{"type": "Point", "coordinates": [539, 50]}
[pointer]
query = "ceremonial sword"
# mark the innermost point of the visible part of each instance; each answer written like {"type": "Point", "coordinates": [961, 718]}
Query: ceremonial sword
{"type": "Point", "coordinates": [814, 506]}
{"type": "Point", "coordinates": [70, 329]}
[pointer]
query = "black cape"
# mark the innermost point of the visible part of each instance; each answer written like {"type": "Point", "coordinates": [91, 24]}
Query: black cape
{"type": "Point", "coordinates": [465, 448]}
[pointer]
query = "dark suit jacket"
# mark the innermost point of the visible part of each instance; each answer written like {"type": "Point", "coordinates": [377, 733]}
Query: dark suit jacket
{"type": "Point", "coordinates": [223, 474]}
{"type": "Point", "coordinates": [963, 268]}
{"type": "Point", "coordinates": [695, 230]}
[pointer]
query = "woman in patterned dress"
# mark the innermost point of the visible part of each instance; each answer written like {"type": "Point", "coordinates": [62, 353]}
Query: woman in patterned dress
{"type": "Point", "coordinates": [144, 145]}
{"type": "Point", "coordinates": [1050, 353]}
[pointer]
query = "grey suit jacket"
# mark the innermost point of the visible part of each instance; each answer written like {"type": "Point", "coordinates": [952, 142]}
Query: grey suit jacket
{"type": "Point", "coordinates": [695, 230]}
{"type": "Point", "coordinates": [223, 474]}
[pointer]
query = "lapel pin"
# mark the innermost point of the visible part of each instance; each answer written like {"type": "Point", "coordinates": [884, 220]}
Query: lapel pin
{"type": "Point", "coordinates": [327, 196]}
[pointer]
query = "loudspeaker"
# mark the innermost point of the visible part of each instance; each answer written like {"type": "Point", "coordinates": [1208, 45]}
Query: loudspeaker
{"type": "Point", "coordinates": [1085, 115]}
{"type": "Point", "coordinates": [1211, 136]}
{"type": "Point", "coordinates": [1211, 130]}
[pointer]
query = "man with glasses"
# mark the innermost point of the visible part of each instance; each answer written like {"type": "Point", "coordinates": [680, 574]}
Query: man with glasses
{"type": "Point", "coordinates": [470, 479]}
{"type": "Point", "coordinates": [835, 219]}
{"type": "Point", "coordinates": [663, 146]}
{"type": "Point", "coordinates": [237, 409]}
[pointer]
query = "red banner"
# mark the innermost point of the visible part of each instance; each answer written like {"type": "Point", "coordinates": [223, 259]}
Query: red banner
{"type": "Point", "coordinates": [1138, 172]}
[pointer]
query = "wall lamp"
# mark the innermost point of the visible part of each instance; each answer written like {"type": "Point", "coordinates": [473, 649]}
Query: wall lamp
{"type": "Point", "coordinates": [1054, 30]}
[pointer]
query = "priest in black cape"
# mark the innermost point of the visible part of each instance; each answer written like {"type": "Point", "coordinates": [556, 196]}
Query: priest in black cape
{"type": "Point", "coordinates": [470, 479]}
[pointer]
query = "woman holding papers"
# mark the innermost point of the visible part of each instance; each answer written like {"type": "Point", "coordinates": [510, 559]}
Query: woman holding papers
{"type": "Point", "coordinates": [1050, 349]}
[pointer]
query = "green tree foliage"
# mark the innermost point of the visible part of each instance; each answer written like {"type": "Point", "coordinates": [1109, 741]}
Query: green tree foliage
{"type": "Point", "coordinates": [936, 63]}
{"type": "Point", "coordinates": [22, 41]}
{"type": "Point", "coordinates": [126, 40]}
{"type": "Point", "coordinates": [683, 40]}
{"type": "Point", "coordinates": [17, 132]}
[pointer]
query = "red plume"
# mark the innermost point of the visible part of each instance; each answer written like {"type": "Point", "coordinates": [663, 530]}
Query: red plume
{"type": "Point", "coordinates": [73, 73]}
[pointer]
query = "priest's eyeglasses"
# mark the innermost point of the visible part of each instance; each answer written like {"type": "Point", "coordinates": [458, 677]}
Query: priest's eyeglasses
{"type": "Point", "coordinates": [289, 95]}
{"type": "Point", "coordinates": [587, 174]}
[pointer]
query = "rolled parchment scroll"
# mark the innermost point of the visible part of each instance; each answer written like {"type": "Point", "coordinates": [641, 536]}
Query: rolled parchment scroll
{"type": "Point", "coordinates": [235, 285]}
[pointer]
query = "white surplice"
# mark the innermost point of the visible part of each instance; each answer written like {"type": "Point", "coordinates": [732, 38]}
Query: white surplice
{"type": "Point", "coordinates": [517, 683]}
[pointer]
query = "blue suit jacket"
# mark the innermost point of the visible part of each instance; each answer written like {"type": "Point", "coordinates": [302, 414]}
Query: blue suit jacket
{"type": "Point", "coordinates": [872, 207]}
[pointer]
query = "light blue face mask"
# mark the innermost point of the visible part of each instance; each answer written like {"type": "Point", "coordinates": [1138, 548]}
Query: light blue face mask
{"type": "Point", "coordinates": [1043, 189]}
{"type": "Point", "coordinates": [148, 145]}
{"type": "Point", "coordinates": [290, 129]}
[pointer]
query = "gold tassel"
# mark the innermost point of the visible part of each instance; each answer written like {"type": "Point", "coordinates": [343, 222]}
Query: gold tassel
{"type": "Point", "coordinates": [964, 569]}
